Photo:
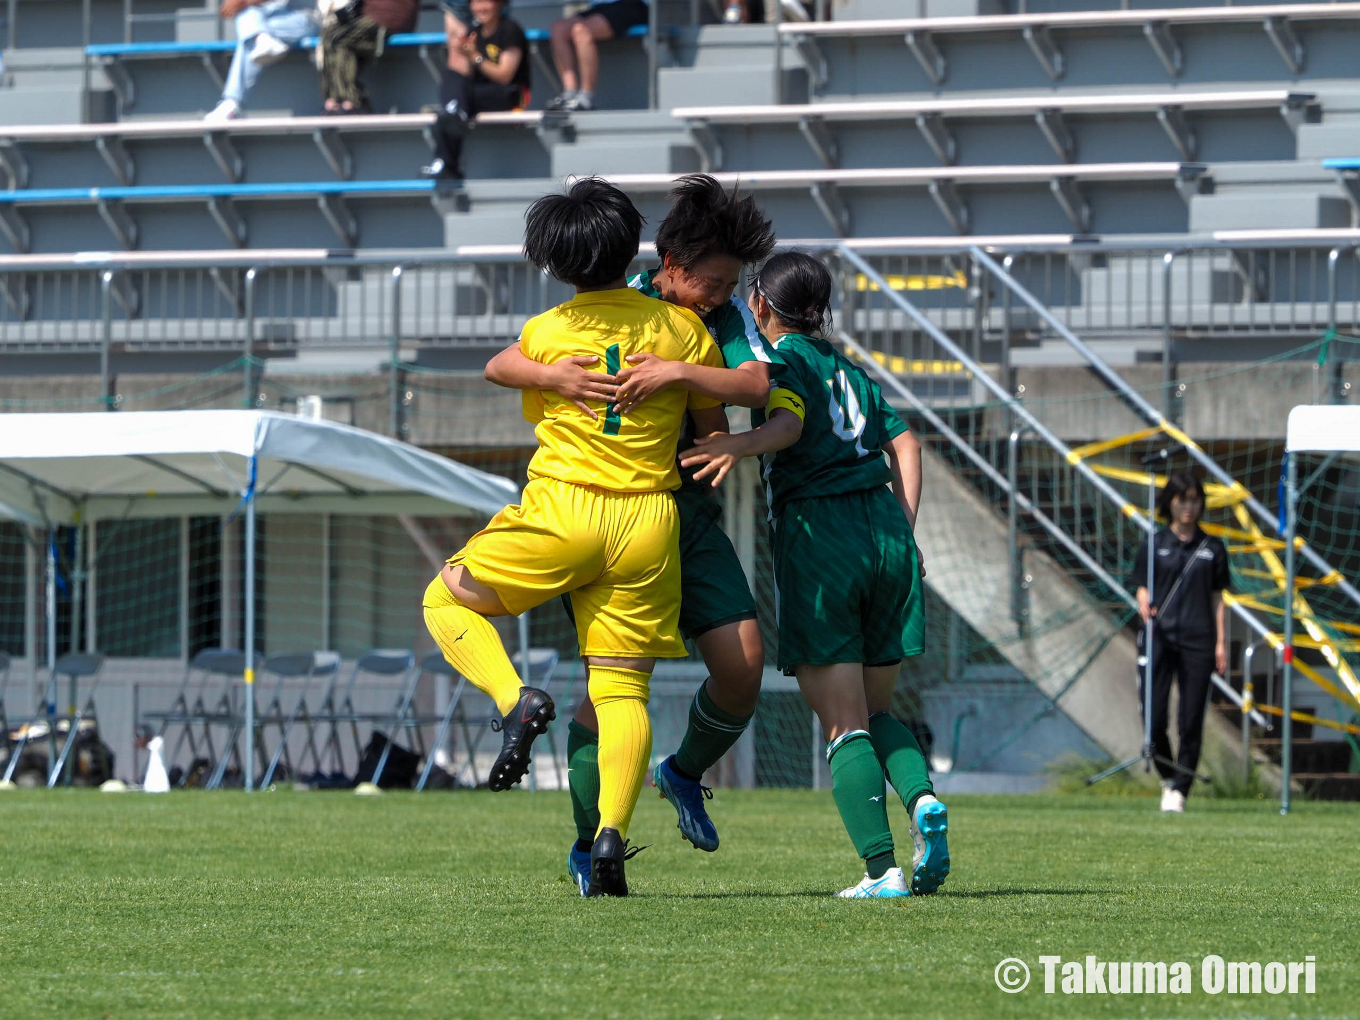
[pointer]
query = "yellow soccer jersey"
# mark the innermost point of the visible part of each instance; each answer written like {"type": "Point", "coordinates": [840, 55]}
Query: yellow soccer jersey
{"type": "Point", "coordinates": [632, 453]}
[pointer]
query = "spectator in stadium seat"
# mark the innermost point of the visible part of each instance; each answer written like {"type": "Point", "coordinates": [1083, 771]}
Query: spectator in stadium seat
{"type": "Point", "coordinates": [352, 41]}
{"type": "Point", "coordinates": [576, 52]}
{"type": "Point", "coordinates": [265, 31]}
{"type": "Point", "coordinates": [487, 71]}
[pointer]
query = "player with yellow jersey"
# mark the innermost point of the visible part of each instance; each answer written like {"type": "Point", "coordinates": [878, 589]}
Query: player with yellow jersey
{"type": "Point", "coordinates": [596, 518]}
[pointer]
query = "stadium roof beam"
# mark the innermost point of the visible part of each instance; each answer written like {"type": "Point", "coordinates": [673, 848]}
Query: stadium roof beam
{"type": "Point", "coordinates": [928, 55]}
{"type": "Point", "coordinates": [815, 131]}
{"type": "Point", "coordinates": [224, 154]}
{"type": "Point", "coordinates": [226, 216]}
{"type": "Point", "coordinates": [1054, 128]}
{"type": "Point", "coordinates": [951, 204]}
{"type": "Point", "coordinates": [338, 215]}
{"type": "Point", "coordinates": [1046, 50]}
{"type": "Point", "coordinates": [119, 221]}
{"type": "Point", "coordinates": [828, 199]}
{"type": "Point", "coordinates": [15, 227]}
{"type": "Point", "coordinates": [938, 136]}
{"type": "Point", "coordinates": [119, 160]}
{"type": "Point", "coordinates": [335, 152]}
{"type": "Point", "coordinates": [12, 162]}
{"type": "Point", "coordinates": [1178, 129]}
{"type": "Point", "coordinates": [1163, 43]}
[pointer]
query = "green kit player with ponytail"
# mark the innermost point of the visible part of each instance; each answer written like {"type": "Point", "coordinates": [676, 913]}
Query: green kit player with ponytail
{"type": "Point", "coordinates": [844, 481]}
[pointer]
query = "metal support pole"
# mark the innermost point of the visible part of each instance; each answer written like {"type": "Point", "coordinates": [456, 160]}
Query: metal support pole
{"type": "Point", "coordinates": [106, 339]}
{"type": "Point", "coordinates": [1019, 607]}
{"type": "Point", "coordinates": [1168, 373]}
{"type": "Point", "coordinates": [248, 766]}
{"type": "Point", "coordinates": [653, 56]}
{"type": "Point", "coordinates": [248, 353]}
{"type": "Point", "coordinates": [777, 20]}
{"type": "Point", "coordinates": [1291, 500]}
{"type": "Point", "coordinates": [51, 634]}
{"type": "Point", "coordinates": [77, 586]}
{"type": "Point", "coordinates": [394, 355]}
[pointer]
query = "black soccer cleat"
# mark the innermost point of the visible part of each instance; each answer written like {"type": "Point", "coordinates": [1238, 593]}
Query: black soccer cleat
{"type": "Point", "coordinates": [606, 864]}
{"type": "Point", "coordinates": [526, 720]}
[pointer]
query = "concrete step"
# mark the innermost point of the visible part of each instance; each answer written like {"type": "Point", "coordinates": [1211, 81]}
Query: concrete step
{"type": "Point", "coordinates": [1266, 208]}
{"type": "Point", "coordinates": [1336, 138]}
{"type": "Point", "coordinates": [671, 153]}
{"type": "Point", "coordinates": [51, 105]}
{"type": "Point", "coordinates": [725, 86]}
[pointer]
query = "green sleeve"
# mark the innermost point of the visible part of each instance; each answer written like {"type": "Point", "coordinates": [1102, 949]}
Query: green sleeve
{"type": "Point", "coordinates": [893, 425]}
{"type": "Point", "coordinates": [739, 339]}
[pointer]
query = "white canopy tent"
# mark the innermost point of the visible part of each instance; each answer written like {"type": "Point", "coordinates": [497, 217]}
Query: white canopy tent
{"type": "Point", "coordinates": [60, 469]}
{"type": "Point", "coordinates": [1330, 429]}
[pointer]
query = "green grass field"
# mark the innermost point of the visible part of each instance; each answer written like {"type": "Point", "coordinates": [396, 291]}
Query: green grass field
{"type": "Point", "coordinates": [457, 905]}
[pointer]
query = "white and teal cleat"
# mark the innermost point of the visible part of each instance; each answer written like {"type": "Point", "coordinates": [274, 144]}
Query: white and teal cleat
{"type": "Point", "coordinates": [892, 883]}
{"type": "Point", "coordinates": [929, 836]}
{"type": "Point", "coordinates": [578, 867]}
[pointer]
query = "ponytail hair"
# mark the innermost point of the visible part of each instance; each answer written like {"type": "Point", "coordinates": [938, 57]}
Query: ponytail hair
{"type": "Point", "coordinates": [797, 287]}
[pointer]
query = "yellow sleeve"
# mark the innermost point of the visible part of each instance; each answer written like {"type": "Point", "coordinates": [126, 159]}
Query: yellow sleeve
{"type": "Point", "coordinates": [705, 352]}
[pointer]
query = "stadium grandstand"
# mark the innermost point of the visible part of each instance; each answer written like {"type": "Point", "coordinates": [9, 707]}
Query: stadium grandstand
{"type": "Point", "coordinates": [1066, 235]}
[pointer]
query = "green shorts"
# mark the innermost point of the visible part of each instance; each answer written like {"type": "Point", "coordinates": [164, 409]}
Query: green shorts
{"type": "Point", "coordinates": [848, 579]}
{"type": "Point", "coordinates": [713, 587]}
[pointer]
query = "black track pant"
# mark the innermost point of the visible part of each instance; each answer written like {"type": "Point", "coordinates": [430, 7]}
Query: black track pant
{"type": "Point", "coordinates": [460, 100]}
{"type": "Point", "coordinates": [1190, 668]}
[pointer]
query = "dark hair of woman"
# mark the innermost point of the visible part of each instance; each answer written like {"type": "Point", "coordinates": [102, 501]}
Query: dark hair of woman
{"type": "Point", "coordinates": [1178, 485]}
{"type": "Point", "coordinates": [706, 220]}
{"type": "Point", "coordinates": [797, 287]}
{"type": "Point", "coordinates": [587, 237]}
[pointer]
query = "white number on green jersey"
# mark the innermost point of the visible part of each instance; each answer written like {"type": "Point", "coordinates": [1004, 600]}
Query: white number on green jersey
{"type": "Point", "coordinates": [847, 420]}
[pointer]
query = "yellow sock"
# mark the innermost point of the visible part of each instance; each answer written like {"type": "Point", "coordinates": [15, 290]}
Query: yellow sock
{"type": "Point", "coordinates": [625, 751]}
{"type": "Point", "coordinates": [471, 644]}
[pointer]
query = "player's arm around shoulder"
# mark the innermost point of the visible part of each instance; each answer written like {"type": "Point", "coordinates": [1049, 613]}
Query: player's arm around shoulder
{"type": "Point", "coordinates": [698, 367]}
{"type": "Point", "coordinates": [577, 378]}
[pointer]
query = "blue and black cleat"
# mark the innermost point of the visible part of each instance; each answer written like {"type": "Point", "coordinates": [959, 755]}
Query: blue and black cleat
{"type": "Point", "coordinates": [687, 796]}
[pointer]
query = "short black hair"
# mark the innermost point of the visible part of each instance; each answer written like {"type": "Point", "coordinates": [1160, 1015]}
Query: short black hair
{"type": "Point", "coordinates": [797, 287]}
{"type": "Point", "coordinates": [586, 237]}
{"type": "Point", "coordinates": [1178, 485]}
{"type": "Point", "coordinates": [706, 220]}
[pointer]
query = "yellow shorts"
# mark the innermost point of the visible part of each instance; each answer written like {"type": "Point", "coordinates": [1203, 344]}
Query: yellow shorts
{"type": "Point", "coordinates": [617, 554]}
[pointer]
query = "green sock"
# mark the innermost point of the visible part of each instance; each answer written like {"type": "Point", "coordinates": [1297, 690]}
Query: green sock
{"type": "Point", "coordinates": [901, 758]}
{"type": "Point", "coordinates": [583, 776]}
{"type": "Point", "coordinates": [857, 785]}
{"type": "Point", "coordinates": [710, 735]}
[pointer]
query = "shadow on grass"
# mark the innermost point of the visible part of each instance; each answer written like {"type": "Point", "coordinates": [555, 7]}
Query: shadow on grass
{"type": "Point", "coordinates": [752, 894]}
{"type": "Point", "coordinates": [988, 893]}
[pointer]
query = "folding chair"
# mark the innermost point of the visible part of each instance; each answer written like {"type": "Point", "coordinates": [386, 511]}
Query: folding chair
{"type": "Point", "coordinates": [401, 720]}
{"type": "Point", "coordinates": [76, 667]}
{"type": "Point", "coordinates": [227, 712]}
{"type": "Point", "coordinates": [337, 706]}
{"type": "Point", "coordinates": [436, 665]}
{"type": "Point", "coordinates": [4, 690]}
{"type": "Point", "coordinates": [542, 665]}
{"type": "Point", "coordinates": [200, 671]}
{"type": "Point", "coordinates": [307, 666]}
{"type": "Point", "coordinates": [44, 723]}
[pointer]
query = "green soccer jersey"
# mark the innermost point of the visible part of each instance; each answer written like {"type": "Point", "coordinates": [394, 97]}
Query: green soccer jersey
{"type": "Point", "coordinates": [734, 330]}
{"type": "Point", "coordinates": [846, 424]}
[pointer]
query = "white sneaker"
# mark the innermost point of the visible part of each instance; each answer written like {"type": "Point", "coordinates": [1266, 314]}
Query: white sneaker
{"type": "Point", "coordinates": [732, 15]}
{"type": "Point", "coordinates": [1173, 801]}
{"type": "Point", "coordinates": [227, 109]}
{"type": "Point", "coordinates": [268, 50]}
{"type": "Point", "coordinates": [892, 883]}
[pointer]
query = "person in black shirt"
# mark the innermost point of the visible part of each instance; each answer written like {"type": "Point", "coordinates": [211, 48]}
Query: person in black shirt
{"type": "Point", "coordinates": [1190, 574]}
{"type": "Point", "coordinates": [488, 71]}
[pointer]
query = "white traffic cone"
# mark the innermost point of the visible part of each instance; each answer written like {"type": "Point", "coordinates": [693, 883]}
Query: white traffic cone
{"type": "Point", "coordinates": [157, 779]}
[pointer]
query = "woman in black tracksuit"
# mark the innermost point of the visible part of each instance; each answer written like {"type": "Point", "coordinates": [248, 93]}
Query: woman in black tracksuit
{"type": "Point", "coordinates": [1190, 574]}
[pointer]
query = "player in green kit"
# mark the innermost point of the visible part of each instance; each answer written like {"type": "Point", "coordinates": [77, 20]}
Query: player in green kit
{"type": "Point", "coordinates": [846, 566]}
{"type": "Point", "coordinates": [704, 242]}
